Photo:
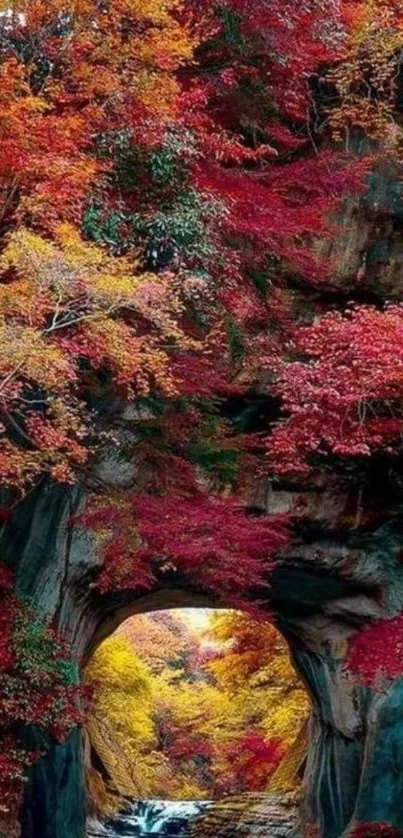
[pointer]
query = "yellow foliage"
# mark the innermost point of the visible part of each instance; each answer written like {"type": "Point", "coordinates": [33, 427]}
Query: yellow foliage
{"type": "Point", "coordinates": [140, 713]}
{"type": "Point", "coordinates": [287, 777]}
{"type": "Point", "coordinates": [77, 281]}
{"type": "Point", "coordinates": [139, 65]}
{"type": "Point", "coordinates": [64, 299]}
{"type": "Point", "coordinates": [367, 77]}
{"type": "Point", "coordinates": [120, 724]}
{"type": "Point", "coordinates": [260, 679]}
{"type": "Point", "coordinates": [116, 667]}
{"type": "Point", "coordinates": [36, 358]}
{"type": "Point", "coordinates": [55, 277]}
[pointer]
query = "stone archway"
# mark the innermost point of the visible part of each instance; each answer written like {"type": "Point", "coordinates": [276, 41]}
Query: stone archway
{"type": "Point", "coordinates": [170, 648]}
{"type": "Point", "coordinates": [355, 761]}
{"type": "Point", "coordinates": [55, 565]}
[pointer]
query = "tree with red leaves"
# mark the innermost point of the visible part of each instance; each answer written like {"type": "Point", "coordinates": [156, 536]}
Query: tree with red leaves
{"type": "Point", "coordinates": [211, 542]}
{"type": "Point", "coordinates": [171, 178]}
{"type": "Point", "coordinates": [375, 830]}
{"type": "Point", "coordinates": [38, 689]}
{"type": "Point", "coordinates": [344, 396]}
{"type": "Point", "coordinates": [375, 654]}
{"type": "Point", "coordinates": [254, 759]}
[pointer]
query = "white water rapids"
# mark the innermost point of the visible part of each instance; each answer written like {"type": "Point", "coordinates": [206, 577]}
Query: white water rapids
{"type": "Point", "coordinates": [150, 817]}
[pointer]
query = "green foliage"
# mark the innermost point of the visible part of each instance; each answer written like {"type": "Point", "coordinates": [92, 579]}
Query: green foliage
{"type": "Point", "coordinates": [232, 29]}
{"type": "Point", "coordinates": [40, 651]}
{"type": "Point", "coordinates": [236, 340]}
{"type": "Point", "coordinates": [157, 176]}
{"type": "Point", "coordinates": [261, 281]}
{"type": "Point", "coordinates": [168, 165]}
{"type": "Point", "coordinates": [184, 228]}
{"type": "Point", "coordinates": [222, 462]}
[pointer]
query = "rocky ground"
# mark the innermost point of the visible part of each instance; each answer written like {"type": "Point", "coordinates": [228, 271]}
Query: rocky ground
{"type": "Point", "coordinates": [251, 816]}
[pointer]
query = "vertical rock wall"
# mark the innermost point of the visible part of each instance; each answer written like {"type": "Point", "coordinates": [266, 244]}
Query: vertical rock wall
{"type": "Point", "coordinates": [355, 761]}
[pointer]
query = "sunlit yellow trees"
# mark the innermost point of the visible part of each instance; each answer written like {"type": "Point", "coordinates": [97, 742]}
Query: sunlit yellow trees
{"type": "Point", "coordinates": [268, 703]}
{"type": "Point", "coordinates": [206, 713]}
{"type": "Point", "coordinates": [67, 300]}
{"type": "Point", "coordinates": [120, 725]}
{"type": "Point", "coordinates": [255, 667]}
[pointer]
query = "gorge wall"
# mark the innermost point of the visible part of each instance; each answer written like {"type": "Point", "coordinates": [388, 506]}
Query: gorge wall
{"type": "Point", "coordinates": [342, 572]}
{"type": "Point", "coordinates": [201, 325]}
{"type": "Point", "coordinates": [354, 765]}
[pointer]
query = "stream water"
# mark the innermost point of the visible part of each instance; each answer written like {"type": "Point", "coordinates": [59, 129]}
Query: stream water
{"type": "Point", "coordinates": [151, 817]}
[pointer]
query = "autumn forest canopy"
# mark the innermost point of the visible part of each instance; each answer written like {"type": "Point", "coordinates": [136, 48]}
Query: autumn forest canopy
{"type": "Point", "coordinates": [191, 319]}
{"type": "Point", "coordinates": [191, 704]}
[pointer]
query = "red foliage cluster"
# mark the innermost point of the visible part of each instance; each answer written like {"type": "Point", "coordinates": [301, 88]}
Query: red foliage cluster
{"type": "Point", "coordinates": [38, 687]}
{"type": "Point", "coordinates": [287, 41]}
{"type": "Point", "coordinates": [376, 653]}
{"type": "Point", "coordinates": [344, 398]}
{"type": "Point", "coordinates": [375, 830]}
{"type": "Point", "coordinates": [183, 745]}
{"type": "Point", "coordinates": [255, 759]}
{"type": "Point", "coordinates": [262, 61]}
{"type": "Point", "coordinates": [286, 216]}
{"type": "Point", "coordinates": [214, 543]}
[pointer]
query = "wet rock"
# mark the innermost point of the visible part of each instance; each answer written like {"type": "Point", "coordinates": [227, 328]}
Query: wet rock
{"type": "Point", "coordinates": [252, 816]}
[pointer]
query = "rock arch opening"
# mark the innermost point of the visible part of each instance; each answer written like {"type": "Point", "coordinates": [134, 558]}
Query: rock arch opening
{"type": "Point", "coordinates": [316, 608]}
{"type": "Point", "coordinates": [188, 707]}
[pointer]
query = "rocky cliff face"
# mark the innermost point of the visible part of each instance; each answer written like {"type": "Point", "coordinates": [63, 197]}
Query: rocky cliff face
{"type": "Point", "coordinates": [344, 571]}
{"type": "Point", "coordinates": [333, 581]}
{"type": "Point", "coordinates": [55, 564]}
{"type": "Point", "coordinates": [354, 764]}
